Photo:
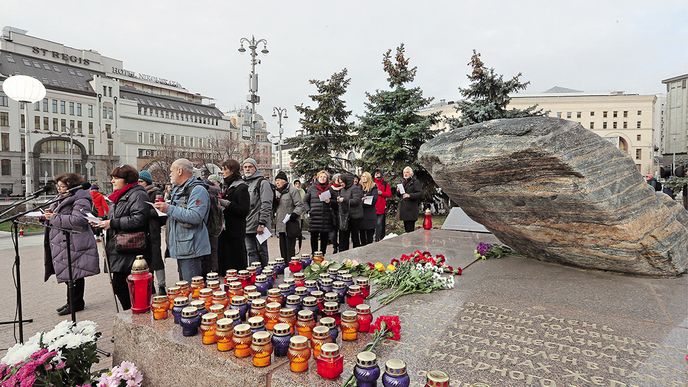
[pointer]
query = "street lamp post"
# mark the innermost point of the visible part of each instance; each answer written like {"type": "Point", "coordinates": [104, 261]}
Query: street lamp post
{"type": "Point", "coordinates": [253, 97]}
{"type": "Point", "coordinates": [280, 113]}
{"type": "Point", "coordinates": [26, 90]}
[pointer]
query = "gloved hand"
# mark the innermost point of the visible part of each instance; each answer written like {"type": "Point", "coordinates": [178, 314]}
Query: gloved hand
{"type": "Point", "coordinates": [293, 217]}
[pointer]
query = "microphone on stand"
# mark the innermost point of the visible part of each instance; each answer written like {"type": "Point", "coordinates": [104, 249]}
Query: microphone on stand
{"type": "Point", "coordinates": [85, 185]}
{"type": "Point", "coordinates": [46, 189]}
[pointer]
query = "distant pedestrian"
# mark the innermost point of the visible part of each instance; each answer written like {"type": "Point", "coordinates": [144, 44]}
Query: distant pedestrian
{"type": "Point", "coordinates": [350, 213]}
{"type": "Point", "coordinates": [287, 215]}
{"type": "Point", "coordinates": [410, 200]}
{"type": "Point", "coordinates": [370, 196]}
{"type": "Point", "coordinates": [99, 202]}
{"type": "Point", "coordinates": [187, 216]}
{"type": "Point", "coordinates": [260, 211]}
{"type": "Point", "coordinates": [384, 192]}
{"type": "Point", "coordinates": [127, 220]}
{"type": "Point", "coordinates": [302, 192]}
{"type": "Point", "coordinates": [154, 258]}
{"type": "Point", "coordinates": [69, 214]}
{"type": "Point", "coordinates": [235, 203]}
{"type": "Point", "coordinates": [319, 212]}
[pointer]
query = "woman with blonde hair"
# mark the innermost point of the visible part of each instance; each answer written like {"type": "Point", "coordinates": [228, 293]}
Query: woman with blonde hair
{"type": "Point", "coordinates": [367, 231]}
{"type": "Point", "coordinates": [320, 211]}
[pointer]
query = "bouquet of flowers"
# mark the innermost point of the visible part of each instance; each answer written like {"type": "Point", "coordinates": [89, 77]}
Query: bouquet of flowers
{"type": "Point", "coordinates": [488, 250]}
{"type": "Point", "coordinates": [123, 375]}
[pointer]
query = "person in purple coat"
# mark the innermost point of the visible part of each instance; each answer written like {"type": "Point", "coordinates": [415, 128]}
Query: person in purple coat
{"type": "Point", "coordinates": [70, 214]}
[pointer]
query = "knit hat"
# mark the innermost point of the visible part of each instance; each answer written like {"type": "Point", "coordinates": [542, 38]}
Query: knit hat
{"type": "Point", "coordinates": [146, 176]}
{"type": "Point", "coordinates": [250, 161]}
{"type": "Point", "coordinates": [94, 187]}
{"type": "Point", "coordinates": [281, 175]}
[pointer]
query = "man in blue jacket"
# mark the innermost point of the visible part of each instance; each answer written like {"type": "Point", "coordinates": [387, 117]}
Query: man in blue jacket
{"type": "Point", "coordinates": [187, 215]}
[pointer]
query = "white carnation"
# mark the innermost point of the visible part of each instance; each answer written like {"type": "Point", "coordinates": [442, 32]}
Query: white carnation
{"type": "Point", "coordinates": [19, 352]}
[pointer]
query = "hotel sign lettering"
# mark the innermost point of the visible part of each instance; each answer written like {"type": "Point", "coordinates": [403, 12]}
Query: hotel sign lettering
{"type": "Point", "coordinates": [60, 55]}
{"type": "Point", "coordinates": [145, 77]}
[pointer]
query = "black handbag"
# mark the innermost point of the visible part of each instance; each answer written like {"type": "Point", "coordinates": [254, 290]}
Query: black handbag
{"type": "Point", "coordinates": [293, 229]}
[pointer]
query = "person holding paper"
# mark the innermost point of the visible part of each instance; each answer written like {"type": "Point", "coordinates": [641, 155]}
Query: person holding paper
{"type": "Point", "coordinates": [350, 202]}
{"type": "Point", "coordinates": [384, 191]}
{"type": "Point", "coordinates": [260, 211]}
{"type": "Point", "coordinates": [69, 214]}
{"type": "Point", "coordinates": [289, 209]}
{"type": "Point", "coordinates": [410, 199]}
{"type": "Point", "coordinates": [317, 203]}
{"type": "Point", "coordinates": [370, 196]}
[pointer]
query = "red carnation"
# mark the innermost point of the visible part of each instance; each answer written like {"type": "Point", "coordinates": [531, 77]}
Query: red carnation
{"type": "Point", "coordinates": [440, 258]}
{"type": "Point", "coordinates": [392, 325]}
{"type": "Point", "coordinates": [395, 262]}
{"type": "Point", "coordinates": [370, 266]}
{"type": "Point", "coordinates": [459, 271]}
{"type": "Point", "coordinates": [448, 269]}
{"type": "Point", "coordinates": [405, 257]}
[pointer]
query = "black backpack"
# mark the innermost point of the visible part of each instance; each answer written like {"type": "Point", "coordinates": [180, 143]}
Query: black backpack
{"type": "Point", "coordinates": [215, 215]}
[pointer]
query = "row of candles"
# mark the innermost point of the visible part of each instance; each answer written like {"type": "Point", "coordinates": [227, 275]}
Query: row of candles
{"type": "Point", "coordinates": [296, 319]}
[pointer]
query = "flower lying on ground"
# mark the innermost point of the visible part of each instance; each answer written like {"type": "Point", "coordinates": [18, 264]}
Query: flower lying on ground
{"type": "Point", "coordinates": [489, 250]}
{"type": "Point", "coordinates": [384, 328]}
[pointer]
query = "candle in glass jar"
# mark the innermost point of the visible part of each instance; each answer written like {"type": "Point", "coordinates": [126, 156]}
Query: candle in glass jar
{"type": "Point", "coordinates": [234, 289]}
{"type": "Point", "coordinates": [299, 353]}
{"type": "Point", "coordinates": [332, 310]}
{"type": "Point", "coordinates": [306, 260]}
{"type": "Point", "coordinates": [366, 370]}
{"type": "Point", "coordinates": [326, 284]}
{"type": "Point", "coordinates": [280, 339]}
{"type": "Point", "coordinates": [288, 316]}
{"type": "Point", "coordinates": [244, 278]}
{"type": "Point", "coordinates": [364, 283]}
{"type": "Point", "coordinates": [347, 279]}
{"type": "Point", "coordinates": [184, 288]}
{"type": "Point", "coordinates": [215, 285]}
{"type": "Point", "coordinates": [395, 374]}
{"type": "Point", "coordinates": [301, 292]}
{"type": "Point", "coordinates": [212, 276]}
{"type": "Point", "coordinates": [252, 275]}
{"type": "Point", "coordinates": [436, 378]}
{"type": "Point", "coordinates": [284, 290]}
{"type": "Point", "coordinates": [329, 322]}
{"type": "Point", "coordinates": [257, 308]}
{"type": "Point", "coordinates": [258, 267]}
{"type": "Point", "coordinates": [218, 309]}
{"type": "Point", "coordinates": [206, 294]}
{"type": "Point", "coordinates": [208, 328]}
{"type": "Point", "coordinates": [242, 340]}
{"type": "Point", "coordinates": [354, 296]}
{"type": "Point", "coordinates": [311, 285]}
{"type": "Point", "coordinates": [331, 297]}
{"type": "Point", "coordinates": [274, 295]}
{"type": "Point", "coordinates": [262, 285]}
{"type": "Point", "coordinates": [305, 322]}
{"type": "Point", "coordinates": [272, 311]}
{"type": "Point", "coordinates": [239, 303]}
{"type": "Point", "coordinates": [257, 323]}
{"type": "Point", "coordinates": [319, 298]}
{"type": "Point", "coordinates": [200, 306]}
{"type": "Point", "coordinates": [220, 297]}
{"type": "Point", "coordinates": [364, 317]}
{"type": "Point", "coordinates": [234, 315]}
{"type": "Point", "coordinates": [318, 257]}
{"type": "Point", "coordinates": [224, 334]}
{"type": "Point", "coordinates": [197, 283]}
{"type": "Point", "coordinates": [190, 321]}
{"type": "Point", "coordinates": [349, 325]}
{"type": "Point", "coordinates": [270, 274]}
{"type": "Point", "coordinates": [330, 363]}
{"type": "Point", "coordinates": [279, 266]}
{"type": "Point", "coordinates": [294, 302]}
{"type": "Point", "coordinates": [299, 279]}
{"type": "Point", "coordinates": [321, 335]}
{"type": "Point", "coordinates": [179, 304]}
{"type": "Point", "coordinates": [340, 288]}
{"type": "Point", "coordinates": [172, 293]}
{"type": "Point", "coordinates": [310, 303]}
{"type": "Point", "coordinates": [160, 307]}
{"type": "Point", "coordinates": [261, 348]}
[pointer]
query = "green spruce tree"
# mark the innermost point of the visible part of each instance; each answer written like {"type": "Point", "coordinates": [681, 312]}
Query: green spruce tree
{"type": "Point", "coordinates": [391, 130]}
{"type": "Point", "coordinates": [487, 96]}
{"type": "Point", "coordinates": [325, 126]}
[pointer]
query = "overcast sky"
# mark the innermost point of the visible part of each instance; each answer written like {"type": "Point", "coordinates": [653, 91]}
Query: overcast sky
{"type": "Point", "coordinates": [583, 45]}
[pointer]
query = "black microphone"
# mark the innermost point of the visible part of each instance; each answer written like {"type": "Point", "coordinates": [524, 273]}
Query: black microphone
{"type": "Point", "coordinates": [41, 190]}
{"type": "Point", "coordinates": [85, 185]}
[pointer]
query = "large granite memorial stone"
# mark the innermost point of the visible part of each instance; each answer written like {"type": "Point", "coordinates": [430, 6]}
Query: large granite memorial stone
{"type": "Point", "coordinates": [555, 191]}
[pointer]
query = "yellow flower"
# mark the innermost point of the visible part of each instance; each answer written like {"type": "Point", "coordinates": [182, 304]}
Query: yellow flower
{"type": "Point", "coordinates": [391, 267]}
{"type": "Point", "coordinates": [379, 266]}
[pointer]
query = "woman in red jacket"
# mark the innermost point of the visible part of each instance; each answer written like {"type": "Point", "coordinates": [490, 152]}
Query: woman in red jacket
{"type": "Point", "coordinates": [384, 191]}
{"type": "Point", "coordinates": [99, 201]}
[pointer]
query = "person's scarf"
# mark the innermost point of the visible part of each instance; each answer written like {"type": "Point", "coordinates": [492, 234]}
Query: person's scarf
{"type": "Point", "coordinates": [285, 188]}
{"type": "Point", "coordinates": [320, 188]}
{"type": "Point", "coordinates": [117, 194]}
{"type": "Point", "coordinates": [230, 179]}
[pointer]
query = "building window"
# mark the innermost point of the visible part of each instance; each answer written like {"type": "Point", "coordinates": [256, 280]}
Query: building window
{"type": "Point", "coordinates": [6, 167]}
{"type": "Point", "coordinates": [37, 123]}
{"type": "Point", "coordinates": [140, 138]}
{"type": "Point", "coordinates": [604, 114]}
{"type": "Point", "coordinates": [614, 125]}
{"type": "Point", "coordinates": [568, 114]}
{"type": "Point", "coordinates": [46, 122]}
{"type": "Point", "coordinates": [104, 91]}
{"type": "Point", "coordinates": [79, 127]}
{"type": "Point", "coordinates": [151, 138]}
{"type": "Point", "coordinates": [625, 113]}
{"type": "Point", "coordinates": [3, 99]}
{"type": "Point", "coordinates": [91, 147]}
{"type": "Point", "coordinates": [55, 127]}
{"type": "Point", "coordinates": [625, 124]}
{"type": "Point", "coordinates": [637, 124]}
{"type": "Point", "coordinates": [592, 125]}
{"type": "Point", "coordinates": [640, 112]}
{"type": "Point", "coordinates": [90, 127]}
{"type": "Point", "coordinates": [78, 109]}
{"type": "Point", "coordinates": [22, 122]}
{"type": "Point", "coordinates": [109, 91]}
{"type": "Point", "coordinates": [638, 154]}
{"type": "Point", "coordinates": [5, 142]}
{"type": "Point", "coordinates": [45, 105]}
{"type": "Point", "coordinates": [604, 125]}
{"type": "Point", "coordinates": [62, 107]}
{"type": "Point", "coordinates": [71, 124]}
{"type": "Point", "coordinates": [637, 137]}
{"type": "Point", "coordinates": [4, 119]}
{"type": "Point", "coordinates": [558, 114]}
{"type": "Point", "coordinates": [110, 148]}
{"type": "Point", "coordinates": [578, 115]}
{"type": "Point", "coordinates": [108, 130]}
{"type": "Point", "coordinates": [182, 141]}
{"type": "Point", "coordinates": [90, 111]}
{"type": "Point", "coordinates": [54, 106]}
{"type": "Point", "coordinates": [63, 125]}
{"type": "Point", "coordinates": [22, 143]}
{"type": "Point", "coordinates": [616, 113]}
{"type": "Point", "coordinates": [37, 107]}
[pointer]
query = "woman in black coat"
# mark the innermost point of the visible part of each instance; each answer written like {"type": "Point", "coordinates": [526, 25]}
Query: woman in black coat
{"type": "Point", "coordinates": [156, 263]}
{"type": "Point", "coordinates": [369, 188]}
{"type": "Point", "coordinates": [129, 213]}
{"type": "Point", "coordinates": [235, 203]}
{"type": "Point", "coordinates": [410, 200]}
{"type": "Point", "coordinates": [320, 212]}
{"type": "Point", "coordinates": [350, 212]}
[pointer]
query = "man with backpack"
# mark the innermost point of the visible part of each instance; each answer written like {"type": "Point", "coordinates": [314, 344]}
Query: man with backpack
{"type": "Point", "coordinates": [187, 215]}
{"type": "Point", "coordinates": [259, 217]}
{"type": "Point", "coordinates": [215, 222]}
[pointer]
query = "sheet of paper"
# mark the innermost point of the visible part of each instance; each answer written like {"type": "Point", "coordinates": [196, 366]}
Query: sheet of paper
{"type": "Point", "coordinates": [400, 189]}
{"type": "Point", "coordinates": [160, 213]}
{"type": "Point", "coordinates": [264, 236]}
{"type": "Point", "coordinates": [286, 218]}
{"type": "Point", "coordinates": [325, 195]}
{"type": "Point", "coordinates": [34, 214]}
{"type": "Point", "coordinates": [368, 200]}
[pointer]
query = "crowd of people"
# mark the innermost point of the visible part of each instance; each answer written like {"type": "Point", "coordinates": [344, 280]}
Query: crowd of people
{"type": "Point", "coordinates": [214, 224]}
